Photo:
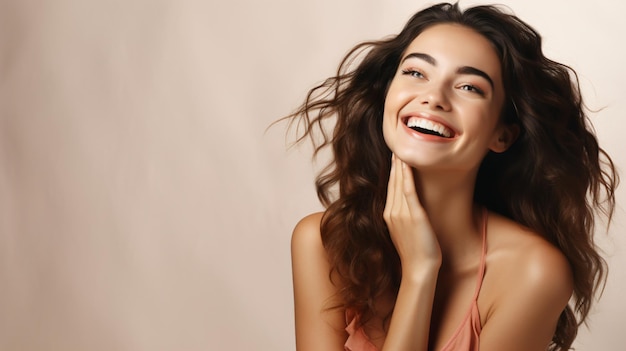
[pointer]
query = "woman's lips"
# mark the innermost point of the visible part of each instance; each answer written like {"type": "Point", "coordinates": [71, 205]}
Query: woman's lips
{"type": "Point", "coordinates": [428, 126]}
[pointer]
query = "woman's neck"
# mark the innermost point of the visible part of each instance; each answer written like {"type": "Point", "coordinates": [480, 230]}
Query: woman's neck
{"type": "Point", "coordinates": [448, 198]}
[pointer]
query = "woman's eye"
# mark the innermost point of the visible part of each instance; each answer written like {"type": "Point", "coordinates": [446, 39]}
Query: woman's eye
{"type": "Point", "coordinates": [472, 88]}
{"type": "Point", "coordinates": [413, 73]}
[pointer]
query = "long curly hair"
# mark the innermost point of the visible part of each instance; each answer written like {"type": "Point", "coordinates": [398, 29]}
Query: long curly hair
{"type": "Point", "coordinates": [554, 179]}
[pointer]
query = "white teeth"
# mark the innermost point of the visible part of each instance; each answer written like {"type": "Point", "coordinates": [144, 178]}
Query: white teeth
{"type": "Point", "coordinates": [430, 125]}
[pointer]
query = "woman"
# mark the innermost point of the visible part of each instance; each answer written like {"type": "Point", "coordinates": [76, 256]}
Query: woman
{"type": "Point", "coordinates": [467, 183]}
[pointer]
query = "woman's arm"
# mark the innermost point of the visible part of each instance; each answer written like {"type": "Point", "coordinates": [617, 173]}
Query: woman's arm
{"type": "Point", "coordinates": [420, 256]}
{"type": "Point", "coordinates": [317, 328]}
{"type": "Point", "coordinates": [410, 322]}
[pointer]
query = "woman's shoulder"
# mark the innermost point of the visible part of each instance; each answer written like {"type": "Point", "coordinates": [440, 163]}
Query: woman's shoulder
{"type": "Point", "coordinates": [307, 247]}
{"type": "Point", "coordinates": [317, 326]}
{"type": "Point", "coordinates": [511, 242]}
{"type": "Point", "coordinates": [524, 265]}
{"type": "Point", "coordinates": [307, 231]}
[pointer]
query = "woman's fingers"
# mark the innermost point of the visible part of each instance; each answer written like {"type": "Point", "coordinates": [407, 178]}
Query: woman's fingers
{"type": "Point", "coordinates": [402, 199]}
{"type": "Point", "coordinates": [409, 192]}
{"type": "Point", "coordinates": [398, 203]}
{"type": "Point", "coordinates": [407, 221]}
{"type": "Point", "coordinates": [390, 190]}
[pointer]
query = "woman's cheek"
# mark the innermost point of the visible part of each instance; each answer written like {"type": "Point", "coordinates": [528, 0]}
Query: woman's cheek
{"type": "Point", "coordinates": [388, 132]}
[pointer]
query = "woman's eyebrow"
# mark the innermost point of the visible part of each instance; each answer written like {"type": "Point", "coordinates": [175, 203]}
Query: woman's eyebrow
{"type": "Point", "coordinates": [461, 70]}
{"type": "Point", "coordinates": [424, 57]}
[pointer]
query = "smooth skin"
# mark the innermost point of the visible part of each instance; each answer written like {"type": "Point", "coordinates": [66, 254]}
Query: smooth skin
{"type": "Point", "coordinates": [434, 224]}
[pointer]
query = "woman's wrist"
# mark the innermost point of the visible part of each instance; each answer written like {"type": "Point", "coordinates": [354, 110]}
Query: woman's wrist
{"type": "Point", "coordinates": [422, 272]}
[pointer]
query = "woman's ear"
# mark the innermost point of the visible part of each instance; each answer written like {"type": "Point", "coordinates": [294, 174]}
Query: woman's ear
{"type": "Point", "coordinates": [504, 137]}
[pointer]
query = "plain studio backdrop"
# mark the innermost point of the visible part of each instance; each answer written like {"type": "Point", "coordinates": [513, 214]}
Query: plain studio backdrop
{"type": "Point", "coordinates": [143, 204]}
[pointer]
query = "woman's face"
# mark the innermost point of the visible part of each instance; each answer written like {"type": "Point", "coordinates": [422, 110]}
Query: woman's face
{"type": "Point", "coordinates": [443, 105]}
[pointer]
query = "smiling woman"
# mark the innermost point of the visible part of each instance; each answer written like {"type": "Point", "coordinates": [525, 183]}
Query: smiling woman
{"type": "Point", "coordinates": [468, 185]}
{"type": "Point", "coordinates": [447, 94]}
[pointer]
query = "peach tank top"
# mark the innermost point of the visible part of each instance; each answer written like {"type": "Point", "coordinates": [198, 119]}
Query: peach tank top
{"type": "Point", "coordinates": [466, 336]}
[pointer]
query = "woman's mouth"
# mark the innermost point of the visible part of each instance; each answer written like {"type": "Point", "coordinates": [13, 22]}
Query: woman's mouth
{"type": "Point", "coordinates": [429, 127]}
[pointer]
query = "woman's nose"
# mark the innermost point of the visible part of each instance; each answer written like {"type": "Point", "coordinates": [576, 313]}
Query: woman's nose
{"type": "Point", "coordinates": [436, 98]}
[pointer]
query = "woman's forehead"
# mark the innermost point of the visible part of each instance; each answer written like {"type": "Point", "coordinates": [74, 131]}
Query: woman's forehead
{"type": "Point", "coordinates": [456, 45]}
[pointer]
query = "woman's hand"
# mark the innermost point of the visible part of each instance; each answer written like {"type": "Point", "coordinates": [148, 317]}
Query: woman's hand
{"type": "Point", "coordinates": [408, 223]}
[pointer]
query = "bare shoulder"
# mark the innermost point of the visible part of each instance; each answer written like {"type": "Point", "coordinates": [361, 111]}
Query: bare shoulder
{"type": "Point", "coordinates": [307, 232]}
{"type": "Point", "coordinates": [527, 285]}
{"type": "Point", "coordinates": [318, 325]}
{"type": "Point", "coordinates": [307, 249]}
{"type": "Point", "coordinates": [536, 264]}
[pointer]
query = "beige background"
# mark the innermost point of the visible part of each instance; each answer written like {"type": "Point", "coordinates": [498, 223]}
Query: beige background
{"type": "Point", "coordinates": [142, 204]}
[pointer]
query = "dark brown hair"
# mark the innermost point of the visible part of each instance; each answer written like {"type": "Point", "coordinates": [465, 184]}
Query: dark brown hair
{"type": "Point", "coordinates": [552, 179]}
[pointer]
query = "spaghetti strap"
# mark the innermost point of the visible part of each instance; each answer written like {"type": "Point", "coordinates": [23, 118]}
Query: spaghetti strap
{"type": "Point", "coordinates": [483, 255]}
